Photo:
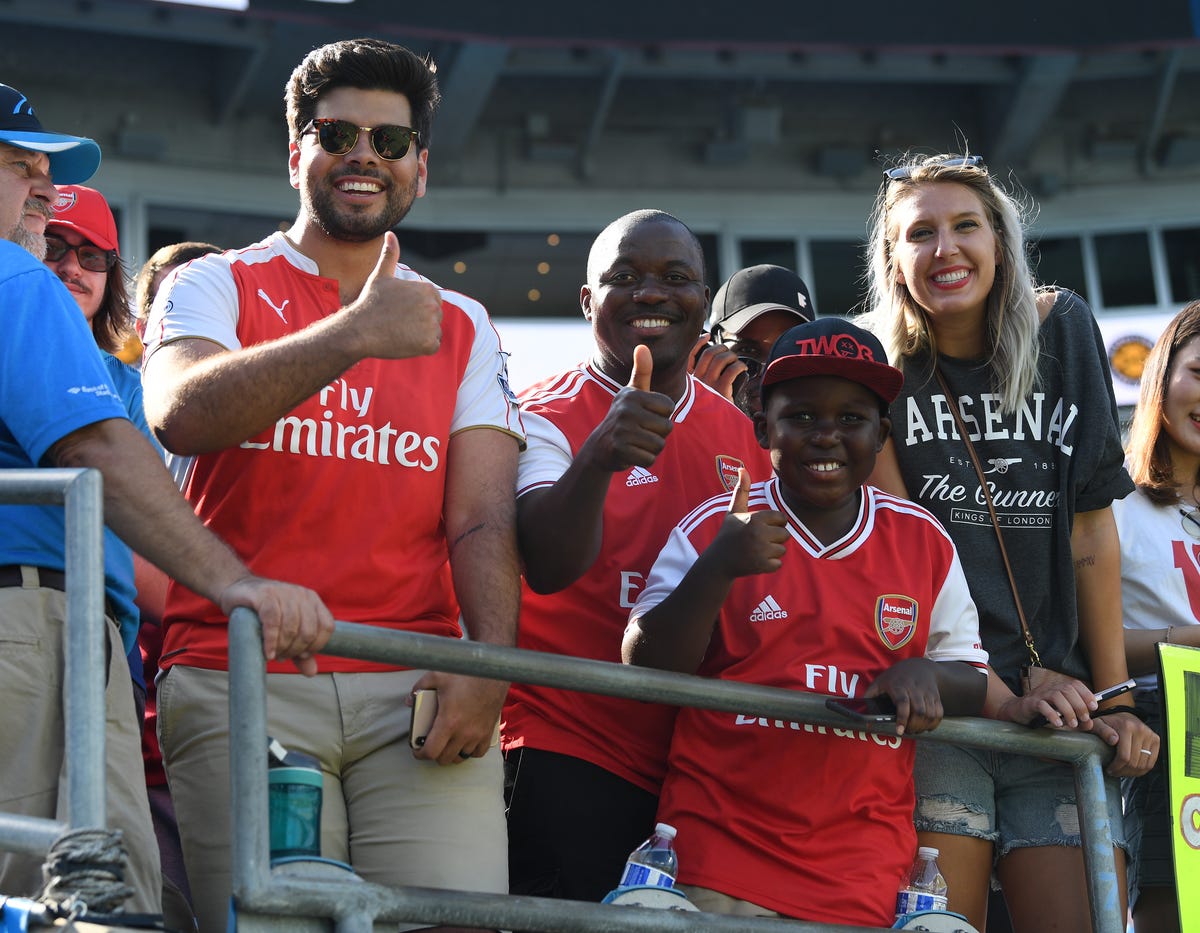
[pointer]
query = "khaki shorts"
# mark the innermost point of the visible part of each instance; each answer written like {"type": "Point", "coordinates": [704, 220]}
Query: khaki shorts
{"type": "Point", "coordinates": [33, 778]}
{"type": "Point", "coordinates": [714, 902]}
{"type": "Point", "coordinates": [396, 819]}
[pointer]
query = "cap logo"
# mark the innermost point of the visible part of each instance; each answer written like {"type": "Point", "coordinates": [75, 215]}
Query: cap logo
{"type": "Point", "coordinates": [842, 345]}
{"type": "Point", "coordinates": [65, 201]}
{"type": "Point", "coordinates": [23, 105]}
{"type": "Point", "coordinates": [801, 300]}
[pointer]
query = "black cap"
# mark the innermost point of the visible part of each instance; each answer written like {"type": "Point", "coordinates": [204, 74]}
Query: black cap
{"type": "Point", "coordinates": [833, 346]}
{"type": "Point", "coordinates": [756, 290]}
{"type": "Point", "coordinates": [73, 159]}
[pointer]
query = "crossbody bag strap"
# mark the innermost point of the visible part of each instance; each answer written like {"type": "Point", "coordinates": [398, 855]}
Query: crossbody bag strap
{"type": "Point", "coordinates": [1034, 659]}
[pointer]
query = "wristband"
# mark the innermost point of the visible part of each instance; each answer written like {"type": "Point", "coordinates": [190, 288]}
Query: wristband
{"type": "Point", "coordinates": [1113, 710]}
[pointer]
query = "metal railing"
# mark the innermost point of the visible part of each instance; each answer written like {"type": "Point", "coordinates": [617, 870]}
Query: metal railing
{"type": "Point", "coordinates": [268, 901]}
{"type": "Point", "coordinates": [80, 492]}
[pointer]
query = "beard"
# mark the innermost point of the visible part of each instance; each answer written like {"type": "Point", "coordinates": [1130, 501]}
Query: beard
{"type": "Point", "coordinates": [28, 240]}
{"type": "Point", "coordinates": [340, 223]}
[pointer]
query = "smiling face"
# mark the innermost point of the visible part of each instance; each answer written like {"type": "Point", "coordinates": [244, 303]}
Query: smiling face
{"type": "Point", "coordinates": [823, 433]}
{"type": "Point", "coordinates": [1181, 413]}
{"type": "Point", "coordinates": [26, 193]}
{"type": "Point", "coordinates": [646, 286]}
{"type": "Point", "coordinates": [945, 252]}
{"type": "Point", "coordinates": [356, 196]}
{"type": "Point", "coordinates": [85, 286]}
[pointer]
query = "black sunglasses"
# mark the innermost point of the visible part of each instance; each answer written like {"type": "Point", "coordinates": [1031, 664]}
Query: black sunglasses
{"type": "Point", "coordinates": [337, 137]}
{"type": "Point", "coordinates": [906, 171]}
{"type": "Point", "coordinates": [89, 257]}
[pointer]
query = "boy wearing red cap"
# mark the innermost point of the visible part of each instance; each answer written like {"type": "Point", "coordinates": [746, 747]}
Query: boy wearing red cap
{"type": "Point", "coordinates": [798, 582]}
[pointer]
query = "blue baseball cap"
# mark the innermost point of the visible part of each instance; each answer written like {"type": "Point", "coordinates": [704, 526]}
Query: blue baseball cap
{"type": "Point", "coordinates": [73, 159]}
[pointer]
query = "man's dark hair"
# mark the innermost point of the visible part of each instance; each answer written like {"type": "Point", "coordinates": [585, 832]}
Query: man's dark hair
{"type": "Point", "coordinates": [369, 65]}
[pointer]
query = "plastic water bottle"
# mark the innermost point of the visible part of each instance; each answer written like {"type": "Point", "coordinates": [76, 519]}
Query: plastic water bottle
{"type": "Point", "coordinates": [654, 862]}
{"type": "Point", "coordinates": [924, 888]}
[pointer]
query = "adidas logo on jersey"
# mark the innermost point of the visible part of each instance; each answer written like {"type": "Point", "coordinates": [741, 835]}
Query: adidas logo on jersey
{"type": "Point", "coordinates": [766, 610]}
{"type": "Point", "coordinates": [640, 477]}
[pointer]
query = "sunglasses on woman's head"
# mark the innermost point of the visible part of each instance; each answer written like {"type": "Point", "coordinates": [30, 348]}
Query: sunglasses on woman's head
{"type": "Point", "coordinates": [337, 137]}
{"type": "Point", "coordinates": [906, 171]}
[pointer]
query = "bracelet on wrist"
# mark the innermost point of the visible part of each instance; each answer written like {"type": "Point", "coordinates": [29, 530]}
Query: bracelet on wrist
{"type": "Point", "coordinates": [1113, 710]}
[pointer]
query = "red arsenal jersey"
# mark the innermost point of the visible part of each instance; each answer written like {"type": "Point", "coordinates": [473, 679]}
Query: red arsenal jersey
{"type": "Point", "coordinates": [813, 822]}
{"type": "Point", "coordinates": [344, 493]}
{"type": "Point", "coordinates": [709, 439]}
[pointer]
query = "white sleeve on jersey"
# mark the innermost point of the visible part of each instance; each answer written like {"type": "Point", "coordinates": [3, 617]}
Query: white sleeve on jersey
{"type": "Point", "coordinates": [197, 300]}
{"type": "Point", "coordinates": [546, 456]}
{"type": "Point", "coordinates": [484, 398]}
{"type": "Point", "coordinates": [670, 567]}
{"type": "Point", "coordinates": [954, 623]}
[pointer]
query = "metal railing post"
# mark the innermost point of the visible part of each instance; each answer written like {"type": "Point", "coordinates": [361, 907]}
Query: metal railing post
{"type": "Point", "coordinates": [248, 755]}
{"type": "Point", "coordinates": [83, 685]}
{"type": "Point", "coordinates": [80, 492]}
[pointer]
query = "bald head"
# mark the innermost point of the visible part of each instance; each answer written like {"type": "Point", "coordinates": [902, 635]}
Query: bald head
{"type": "Point", "coordinates": [606, 244]}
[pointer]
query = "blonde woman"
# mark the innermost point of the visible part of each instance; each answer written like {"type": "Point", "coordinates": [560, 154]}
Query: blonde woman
{"type": "Point", "coordinates": [1022, 368]}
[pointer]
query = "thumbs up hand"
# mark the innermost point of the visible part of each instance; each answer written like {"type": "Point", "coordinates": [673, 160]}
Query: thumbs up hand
{"type": "Point", "coordinates": [749, 542]}
{"type": "Point", "coordinates": [635, 430]}
{"type": "Point", "coordinates": [393, 318]}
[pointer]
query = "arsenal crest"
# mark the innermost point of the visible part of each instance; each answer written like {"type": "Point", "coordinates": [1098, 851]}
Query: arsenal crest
{"type": "Point", "coordinates": [895, 619]}
{"type": "Point", "coordinates": [64, 202]}
{"type": "Point", "coordinates": [727, 470]}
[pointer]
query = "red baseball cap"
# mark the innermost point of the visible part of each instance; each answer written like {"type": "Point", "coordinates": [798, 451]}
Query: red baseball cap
{"type": "Point", "coordinates": [85, 211]}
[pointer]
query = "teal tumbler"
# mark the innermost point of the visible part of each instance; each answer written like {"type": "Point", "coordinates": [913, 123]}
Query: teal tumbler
{"type": "Point", "coordinates": [294, 795]}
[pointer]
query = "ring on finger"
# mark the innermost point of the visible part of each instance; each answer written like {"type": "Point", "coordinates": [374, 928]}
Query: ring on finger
{"type": "Point", "coordinates": [1146, 751]}
{"type": "Point", "coordinates": [464, 754]}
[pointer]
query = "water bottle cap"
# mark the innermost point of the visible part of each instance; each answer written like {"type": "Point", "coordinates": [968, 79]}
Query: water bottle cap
{"type": "Point", "coordinates": [666, 830]}
{"type": "Point", "coordinates": [927, 852]}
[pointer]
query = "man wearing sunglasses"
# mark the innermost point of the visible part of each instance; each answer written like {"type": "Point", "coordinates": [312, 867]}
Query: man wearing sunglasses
{"type": "Point", "coordinates": [58, 408]}
{"type": "Point", "coordinates": [753, 308]}
{"type": "Point", "coordinates": [350, 422]}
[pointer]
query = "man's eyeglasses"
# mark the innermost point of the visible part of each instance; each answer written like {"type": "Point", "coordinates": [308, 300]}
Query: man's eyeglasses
{"type": "Point", "coordinates": [337, 137]}
{"type": "Point", "coordinates": [753, 366]}
{"type": "Point", "coordinates": [89, 257]}
{"type": "Point", "coordinates": [906, 171]}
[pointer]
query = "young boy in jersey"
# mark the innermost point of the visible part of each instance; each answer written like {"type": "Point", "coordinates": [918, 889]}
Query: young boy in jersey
{"type": "Point", "coordinates": [811, 581]}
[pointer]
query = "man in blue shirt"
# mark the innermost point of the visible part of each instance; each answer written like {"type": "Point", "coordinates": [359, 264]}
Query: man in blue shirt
{"type": "Point", "coordinates": [58, 407]}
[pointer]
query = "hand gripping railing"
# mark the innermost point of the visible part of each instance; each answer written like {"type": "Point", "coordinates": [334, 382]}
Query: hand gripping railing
{"type": "Point", "coordinates": [80, 492]}
{"type": "Point", "coordinates": [354, 906]}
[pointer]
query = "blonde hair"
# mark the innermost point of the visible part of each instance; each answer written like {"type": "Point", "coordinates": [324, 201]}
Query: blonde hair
{"type": "Point", "coordinates": [1149, 451]}
{"type": "Point", "coordinates": [1011, 314]}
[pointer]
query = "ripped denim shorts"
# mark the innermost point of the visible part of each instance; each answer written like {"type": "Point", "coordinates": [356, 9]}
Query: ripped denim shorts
{"type": "Point", "coordinates": [1012, 801]}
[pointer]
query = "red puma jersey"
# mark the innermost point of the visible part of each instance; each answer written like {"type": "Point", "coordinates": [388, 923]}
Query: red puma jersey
{"type": "Point", "coordinates": [344, 494]}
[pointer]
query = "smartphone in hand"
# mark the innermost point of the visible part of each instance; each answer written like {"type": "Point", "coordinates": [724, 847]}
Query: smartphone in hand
{"type": "Point", "coordinates": [864, 709]}
{"type": "Point", "coordinates": [1100, 695]}
{"type": "Point", "coordinates": [424, 711]}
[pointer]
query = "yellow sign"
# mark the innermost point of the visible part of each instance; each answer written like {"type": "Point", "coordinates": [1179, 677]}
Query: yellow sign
{"type": "Point", "coordinates": [1181, 689]}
